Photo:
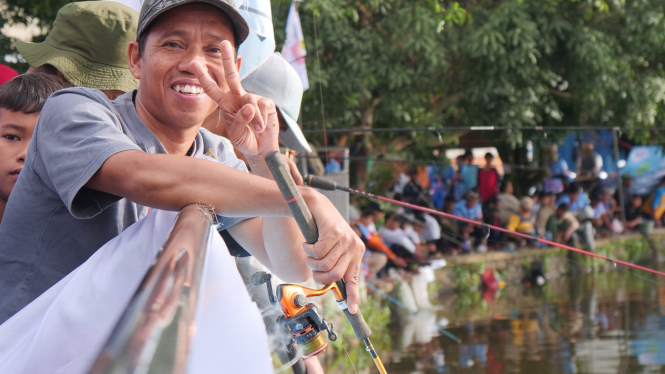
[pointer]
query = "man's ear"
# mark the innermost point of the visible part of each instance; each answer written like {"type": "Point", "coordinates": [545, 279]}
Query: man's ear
{"type": "Point", "coordinates": [134, 59]}
{"type": "Point", "coordinates": [239, 63]}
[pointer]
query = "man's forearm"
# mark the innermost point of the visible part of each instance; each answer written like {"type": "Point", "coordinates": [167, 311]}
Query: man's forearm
{"type": "Point", "coordinates": [282, 237]}
{"type": "Point", "coordinates": [283, 245]}
{"type": "Point", "coordinates": [170, 182]}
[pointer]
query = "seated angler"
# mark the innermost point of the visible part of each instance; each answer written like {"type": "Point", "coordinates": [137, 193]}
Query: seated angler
{"type": "Point", "coordinates": [21, 100]}
{"type": "Point", "coordinates": [523, 222]}
{"type": "Point", "coordinates": [94, 166]}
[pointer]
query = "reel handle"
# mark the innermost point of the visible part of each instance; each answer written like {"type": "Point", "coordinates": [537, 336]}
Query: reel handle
{"type": "Point", "coordinates": [297, 205]}
{"type": "Point", "coordinates": [306, 223]}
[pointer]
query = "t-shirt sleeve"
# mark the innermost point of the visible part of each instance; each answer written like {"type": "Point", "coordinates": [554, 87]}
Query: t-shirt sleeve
{"type": "Point", "coordinates": [76, 134]}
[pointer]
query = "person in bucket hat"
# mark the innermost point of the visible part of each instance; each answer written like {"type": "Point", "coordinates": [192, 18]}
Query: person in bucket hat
{"type": "Point", "coordinates": [87, 47]}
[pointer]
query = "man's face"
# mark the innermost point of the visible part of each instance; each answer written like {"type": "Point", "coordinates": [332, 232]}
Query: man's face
{"type": "Point", "coordinates": [637, 202]}
{"type": "Point", "coordinates": [168, 89]}
{"type": "Point", "coordinates": [16, 130]}
{"type": "Point", "coordinates": [574, 196]}
{"type": "Point", "coordinates": [471, 203]}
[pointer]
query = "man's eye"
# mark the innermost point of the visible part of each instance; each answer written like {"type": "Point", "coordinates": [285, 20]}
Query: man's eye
{"type": "Point", "coordinates": [171, 44]}
{"type": "Point", "coordinates": [215, 50]}
{"type": "Point", "coordinates": [12, 138]}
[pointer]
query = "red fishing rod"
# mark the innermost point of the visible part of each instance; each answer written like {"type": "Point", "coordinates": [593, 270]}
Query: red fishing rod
{"type": "Point", "coordinates": [328, 185]}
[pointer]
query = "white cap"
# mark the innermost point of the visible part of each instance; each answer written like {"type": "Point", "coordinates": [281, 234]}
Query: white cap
{"type": "Point", "coordinates": [277, 80]}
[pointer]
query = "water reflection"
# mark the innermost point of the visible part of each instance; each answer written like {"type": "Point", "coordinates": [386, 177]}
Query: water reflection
{"type": "Point", "coordinates": [604, 323]}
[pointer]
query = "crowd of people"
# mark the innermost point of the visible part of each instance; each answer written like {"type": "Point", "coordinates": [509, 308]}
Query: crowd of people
{"type": "Point", "coordinates": [563, 209]}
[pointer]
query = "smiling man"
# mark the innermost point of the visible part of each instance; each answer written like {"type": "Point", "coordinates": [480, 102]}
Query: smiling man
{"type": "Point", "coordinates": [94, 166]}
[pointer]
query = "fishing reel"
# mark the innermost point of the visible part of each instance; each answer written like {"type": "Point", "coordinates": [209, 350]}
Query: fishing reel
{"type": "Point", "coordinates": [301, 320]}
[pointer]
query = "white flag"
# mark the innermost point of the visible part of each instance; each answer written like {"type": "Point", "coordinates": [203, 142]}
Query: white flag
{"type": "Point", "coordinates": [294, 47]}
{"type": "Point", "coordinates": [260, 42]}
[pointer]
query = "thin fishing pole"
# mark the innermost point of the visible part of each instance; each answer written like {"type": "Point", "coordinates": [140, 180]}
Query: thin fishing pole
{"type": "Point", "coordinates": [326, 183]}
{"type": "Point", "coordinates": [478, 128]}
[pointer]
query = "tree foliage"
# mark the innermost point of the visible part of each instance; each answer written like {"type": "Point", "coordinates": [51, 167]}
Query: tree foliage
{"type": "Point", "coordinates": [13, 12]}
{"type": "Point", "coordinates": [517, 63]}
{"type": "Point", "coordinates": [420, 63]}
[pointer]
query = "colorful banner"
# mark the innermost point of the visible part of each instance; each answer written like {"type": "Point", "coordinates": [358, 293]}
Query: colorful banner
{"type": "Point", "coordinates": [646, 164]}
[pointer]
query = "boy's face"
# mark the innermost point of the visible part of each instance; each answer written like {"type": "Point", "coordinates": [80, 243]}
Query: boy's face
{"type": "Point", "coordinates": [15, 133]}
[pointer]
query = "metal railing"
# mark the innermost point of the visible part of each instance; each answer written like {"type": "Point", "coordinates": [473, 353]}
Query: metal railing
{"type": "Point", "coordinates": [154, 332]}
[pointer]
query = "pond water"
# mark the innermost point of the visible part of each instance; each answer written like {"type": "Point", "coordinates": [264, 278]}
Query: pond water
{"type": "Point", "coordinates": [598, 323]}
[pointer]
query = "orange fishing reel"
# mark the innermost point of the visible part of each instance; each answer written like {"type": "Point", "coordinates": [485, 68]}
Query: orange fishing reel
{"type": "Point", "coordinates": [301, 320]}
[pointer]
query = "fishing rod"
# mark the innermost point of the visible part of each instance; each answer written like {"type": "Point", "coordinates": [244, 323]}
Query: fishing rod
{"type": "Point", "coordinates": [328, 185]}
{"type": "Point", "coordinates": [301, 319]}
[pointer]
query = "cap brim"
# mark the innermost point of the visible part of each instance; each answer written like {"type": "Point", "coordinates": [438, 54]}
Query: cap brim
{"type": "Point", "coordinates": [240, 25]}
{"type": "Point", "coordinates": [78, 70]}
{"type": "Point", "coordinates": [293, 136]}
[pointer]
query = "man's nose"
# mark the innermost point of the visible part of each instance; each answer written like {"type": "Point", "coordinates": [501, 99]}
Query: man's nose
{"type": "Point", "coordinates": [193, 54]}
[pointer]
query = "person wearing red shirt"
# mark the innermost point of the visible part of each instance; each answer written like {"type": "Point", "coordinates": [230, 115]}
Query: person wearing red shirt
{"type": "Point", "coordinates": [488, 179]}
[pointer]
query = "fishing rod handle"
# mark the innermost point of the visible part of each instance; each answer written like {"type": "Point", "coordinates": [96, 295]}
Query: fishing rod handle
{"type": "Point", "coordinates": [292, 196]}
{"type": "Point", "coordinates": [308, 227]}
{"type": "Point", "coordinates": [320, 183]}
{"type": "Point", "coordinates": [357, 321]}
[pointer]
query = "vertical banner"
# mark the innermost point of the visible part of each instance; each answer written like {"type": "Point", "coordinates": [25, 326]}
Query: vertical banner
{"type": "Point", "coordinates": [294, 47]}
{"type": "Point", "coordinates": [260, 43]}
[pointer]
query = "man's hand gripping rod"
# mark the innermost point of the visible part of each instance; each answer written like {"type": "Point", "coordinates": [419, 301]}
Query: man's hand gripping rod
{"type": "Point", "coordinates": [306, 223]}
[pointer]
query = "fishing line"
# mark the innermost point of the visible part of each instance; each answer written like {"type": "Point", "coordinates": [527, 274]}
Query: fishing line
{"type": "Point", "coordinates": [323, 112]}
{"type": "Point", "coordinates": [347, 354]}
{"type": "Point", "coordinates": [412, 312]}
{"type": "Point", "coordinates": [325, 184]}
{"type": "Point", "coordinates": [504, 243]}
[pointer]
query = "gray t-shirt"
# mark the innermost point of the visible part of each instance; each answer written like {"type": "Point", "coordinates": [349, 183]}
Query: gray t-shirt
{"type": "Point", "coordinates": [52, 223]}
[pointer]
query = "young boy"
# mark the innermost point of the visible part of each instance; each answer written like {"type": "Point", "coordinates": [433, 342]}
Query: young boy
{"type": "Point", "coordinates": [21, 100]}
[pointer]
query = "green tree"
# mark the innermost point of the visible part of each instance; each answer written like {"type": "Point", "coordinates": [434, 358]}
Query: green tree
{"type": "Point", "coordinates": [381, 62]}
{"type": "Point", "coordinates": [518, 63]}
{"type": "Point", "coordinates": [25, 12]}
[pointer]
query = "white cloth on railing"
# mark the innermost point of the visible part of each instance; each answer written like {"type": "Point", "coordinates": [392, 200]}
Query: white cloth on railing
{"type": "Point", "coordinates": [65, 328]}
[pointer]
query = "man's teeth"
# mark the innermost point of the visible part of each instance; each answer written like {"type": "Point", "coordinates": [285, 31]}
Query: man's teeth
{"type": "Point", "coordinates": [188, 89]}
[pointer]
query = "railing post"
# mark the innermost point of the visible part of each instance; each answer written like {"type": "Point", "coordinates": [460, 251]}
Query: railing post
{"type": "Point", "coordinates": [158, 320]}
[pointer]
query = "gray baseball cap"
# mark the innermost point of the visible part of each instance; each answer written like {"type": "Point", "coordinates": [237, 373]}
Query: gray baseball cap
{"type": "Point", "coordinates": [151, 9]}
{"type": "Point", "coordinates": [275, 79]}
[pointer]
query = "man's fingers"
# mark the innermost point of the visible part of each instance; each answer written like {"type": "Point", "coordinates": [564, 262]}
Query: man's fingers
{"type": "Point", "coordinates": [231, 72]}
{"type": "Point", "coordinates": [335, 274]}
{"type": "Point", "coordinates": [329, 262]}
{"type": "Point", "coordinates": [210, 87]}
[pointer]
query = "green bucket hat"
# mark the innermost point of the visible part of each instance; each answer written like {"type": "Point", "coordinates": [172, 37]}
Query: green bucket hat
{"type": "Point", "coordinates": [88, 45]}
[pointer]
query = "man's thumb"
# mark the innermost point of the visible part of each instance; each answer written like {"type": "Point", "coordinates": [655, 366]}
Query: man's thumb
{"type": "Point", "coordinates": [352, 296]}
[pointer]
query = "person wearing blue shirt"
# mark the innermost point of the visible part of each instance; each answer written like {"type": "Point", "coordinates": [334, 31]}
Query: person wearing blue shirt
{"type": "Point", "coordinates": [578, 203]}
{"type": "Point", "coordinates": [577, 200]}
{"type": "Point", "coordinates": [558, 171]}
{"type": "Point", "coordinates": [470, 208]}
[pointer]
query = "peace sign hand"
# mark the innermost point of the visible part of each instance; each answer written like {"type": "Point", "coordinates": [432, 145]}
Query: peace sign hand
{"type": "Point", "coordinates": [251, 121]}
